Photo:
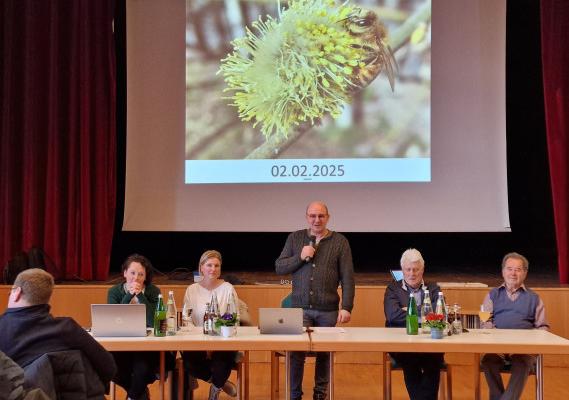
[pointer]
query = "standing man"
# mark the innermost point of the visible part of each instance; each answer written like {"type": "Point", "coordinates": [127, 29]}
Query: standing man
{"type": "Point", "coordinates": [512, 306]}
{"type": "Point", "coordinates": [28, 330]}
{"type": "Point", "coordinates": [421, 371]}
{"type": "Point", "coordinates": [318, 259]}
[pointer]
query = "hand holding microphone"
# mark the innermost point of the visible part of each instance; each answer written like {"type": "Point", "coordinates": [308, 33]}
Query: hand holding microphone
{"type": "Point", "coordinates": [308, 251]}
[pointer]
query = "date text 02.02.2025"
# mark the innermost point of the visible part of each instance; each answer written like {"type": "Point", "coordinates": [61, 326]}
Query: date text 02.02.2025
{"type": "Point", "coordinates": [307, 170]}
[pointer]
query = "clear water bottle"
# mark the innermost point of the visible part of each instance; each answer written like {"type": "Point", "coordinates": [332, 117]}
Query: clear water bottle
{"type": "Point", "coordinates": [206, 319]}
{"type": "Point", "coordinates": [441, 308]}
{"type": "Point", "coordinates": [233, 308]}
{"type": "Point", "coordinates": [426, 308]}
{"type": "Point", "coordinates": [214, 315]}
{"type": "Point", "coordinates": [171, 315]}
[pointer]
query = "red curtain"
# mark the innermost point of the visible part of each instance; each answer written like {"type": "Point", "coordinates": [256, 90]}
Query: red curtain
{"type": "Point", "coordinates": [555, 60]}
{"type": "Point", "coordinates": [57, 133]}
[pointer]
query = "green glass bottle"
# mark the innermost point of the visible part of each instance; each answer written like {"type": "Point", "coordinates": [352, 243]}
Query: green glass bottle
{"type": "Point", "coordinates": [160, 321]}
{"type": "Point", "coordinates": [412, 317]}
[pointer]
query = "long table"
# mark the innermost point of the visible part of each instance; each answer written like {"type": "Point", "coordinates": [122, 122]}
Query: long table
{"type": "Point", "coordinates": [248, 338]}
{"type": "Point", "coordinates": [476, 341]}
{"type": "Point", "coordinates": [332, 340]}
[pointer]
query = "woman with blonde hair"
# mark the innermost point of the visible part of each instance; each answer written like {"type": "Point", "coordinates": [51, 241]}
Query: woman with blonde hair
{"type": "Point", "coordinates": [214, 367]}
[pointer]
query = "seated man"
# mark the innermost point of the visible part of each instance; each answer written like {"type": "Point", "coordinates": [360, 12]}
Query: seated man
{"type": "Point", "coordinates": [512, 306]}
{"type": "Point", "coordinates": [27, 329]}
{"type": "Point", "coordinates": [421, 371]}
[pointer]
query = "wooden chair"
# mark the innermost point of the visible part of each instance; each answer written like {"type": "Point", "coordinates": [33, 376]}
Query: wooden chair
{"type": "Point", "coordinates": [389, 365]}
{"type": "Point", "coordinates": [505, 370]}
{"type": "Point", "coordinates": [242, 368]}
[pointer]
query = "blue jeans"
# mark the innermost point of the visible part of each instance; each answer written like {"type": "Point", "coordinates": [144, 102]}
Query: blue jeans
{"type": "Point", "coordinates": [322, 369]}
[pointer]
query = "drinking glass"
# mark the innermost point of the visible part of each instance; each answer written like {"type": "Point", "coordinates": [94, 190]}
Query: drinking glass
{"type": "Point", "coordinates": [187, 318]}
{"type": "Point", "coordinates": [483, 314]}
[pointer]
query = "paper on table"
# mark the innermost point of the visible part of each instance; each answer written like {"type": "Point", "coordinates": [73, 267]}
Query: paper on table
{"type": "Point", "coordinates": [328, 329]}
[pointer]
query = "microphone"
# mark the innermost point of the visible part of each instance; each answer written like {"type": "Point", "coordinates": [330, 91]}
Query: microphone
{"type": "Point", "coordinates": [311, 243]}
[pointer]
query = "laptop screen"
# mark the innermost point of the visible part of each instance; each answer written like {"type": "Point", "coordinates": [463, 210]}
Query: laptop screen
{"type": "Point", "coordinates": [280, 320]}
{"type": "Point", "coordinates": [118, 319]}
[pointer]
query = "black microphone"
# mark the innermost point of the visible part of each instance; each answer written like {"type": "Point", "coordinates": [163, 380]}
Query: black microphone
{"type": "Point", "coordinates": [311, 243]}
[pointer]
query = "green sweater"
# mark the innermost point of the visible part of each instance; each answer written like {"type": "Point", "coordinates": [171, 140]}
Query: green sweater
{"type": "Point", "coordinates": [117, 295]}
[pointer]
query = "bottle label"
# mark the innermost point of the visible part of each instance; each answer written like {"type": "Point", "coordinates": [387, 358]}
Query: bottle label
{"type": "Point", "coordinates": [171, 325]}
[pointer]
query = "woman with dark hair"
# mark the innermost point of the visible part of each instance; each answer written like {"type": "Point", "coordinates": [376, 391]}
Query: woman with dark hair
{"type": "Point", "coordinates": [136, 369]}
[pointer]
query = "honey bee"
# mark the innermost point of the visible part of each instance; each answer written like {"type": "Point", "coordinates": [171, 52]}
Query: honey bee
{"type": "Point", "coordinates": [365, 25]}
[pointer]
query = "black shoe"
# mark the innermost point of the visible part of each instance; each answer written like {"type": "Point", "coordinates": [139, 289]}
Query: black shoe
{"type": "Point", "coordinates": [319, 396]}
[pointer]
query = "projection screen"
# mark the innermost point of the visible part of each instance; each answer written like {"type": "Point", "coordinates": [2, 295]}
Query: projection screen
{"type": "Point", "coordinates": [429, 155]}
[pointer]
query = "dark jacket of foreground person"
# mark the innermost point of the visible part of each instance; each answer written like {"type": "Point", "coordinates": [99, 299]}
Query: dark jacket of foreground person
{"type": "Point", "coordinates": [28, 333]}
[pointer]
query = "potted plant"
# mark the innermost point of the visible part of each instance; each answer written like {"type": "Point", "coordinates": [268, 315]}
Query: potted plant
{"type": "Point", "coordinates": [437, 324]}
{"type": "Point", "coordinates": [226, 324]}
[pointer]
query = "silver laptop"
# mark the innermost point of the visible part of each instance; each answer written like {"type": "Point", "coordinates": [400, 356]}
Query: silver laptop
{"type": "Point", "coordinates": [280, 320]}
{"type": "Point", "coordinates": [118, 319]}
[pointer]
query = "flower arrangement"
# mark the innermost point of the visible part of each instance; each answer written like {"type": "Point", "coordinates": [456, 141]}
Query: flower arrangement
{"type": "Point", "coordinates": [435, 321]}
{"type": "Point", "coordinates": [226, 319]}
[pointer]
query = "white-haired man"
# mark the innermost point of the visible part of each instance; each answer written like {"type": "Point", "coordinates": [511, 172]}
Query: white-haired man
{"type": "Point", "coordinates": [421, 371]}
{"type": "Point", "coordinates": [512, 306]}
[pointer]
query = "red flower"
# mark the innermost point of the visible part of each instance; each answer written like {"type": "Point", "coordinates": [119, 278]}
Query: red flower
{"type": "Point", "coordinates": [434, 317]}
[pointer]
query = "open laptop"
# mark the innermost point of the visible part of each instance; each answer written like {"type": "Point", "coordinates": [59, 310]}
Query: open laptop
{"type": "Point", "coordinates": [280, 321]}
{"type": "Point", "coordinates": [396, 274]}
{"type": "Point", "coordinates": [118, 319]}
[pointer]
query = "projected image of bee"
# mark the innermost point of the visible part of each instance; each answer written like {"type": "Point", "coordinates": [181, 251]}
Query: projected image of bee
{"type": "Point", "coordinates": [378, 56]}
{"type": "Point", "coordinates": [306, 64]}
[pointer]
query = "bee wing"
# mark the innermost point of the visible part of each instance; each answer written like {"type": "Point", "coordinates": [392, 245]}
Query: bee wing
{"type": "Point", "coordinates": [389, 64]}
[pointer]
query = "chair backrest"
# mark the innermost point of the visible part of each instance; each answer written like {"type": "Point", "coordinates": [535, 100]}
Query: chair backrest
{"type": "Point", "coordinates": [286, 302]}
{"type": "Point", "coordinates": [64, 375]}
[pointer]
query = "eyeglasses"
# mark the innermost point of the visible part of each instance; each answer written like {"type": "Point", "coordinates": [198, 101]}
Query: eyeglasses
{"type": "Point", "coordinates": [319, 216]}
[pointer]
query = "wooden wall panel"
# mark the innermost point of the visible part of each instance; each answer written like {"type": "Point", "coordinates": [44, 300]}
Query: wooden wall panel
{"type": "Point", "coordinates": [74, 301]}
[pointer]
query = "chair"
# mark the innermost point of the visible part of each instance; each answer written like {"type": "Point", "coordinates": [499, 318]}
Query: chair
{"type": "Point", "coordinates": [505, 370]}
{"type": "Point", "coordinates": [241, 366]}
{"type": "Point", "coordinates": [389, 365]}
{"type": "Point", "coordinates": [64, 374]}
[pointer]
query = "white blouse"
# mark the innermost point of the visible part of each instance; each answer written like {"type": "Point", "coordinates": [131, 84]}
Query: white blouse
{"type": "Point", "coordinates": [197, 296]}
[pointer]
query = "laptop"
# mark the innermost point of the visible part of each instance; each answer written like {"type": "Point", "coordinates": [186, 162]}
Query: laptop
{"type": "Point", "coordinates": [396, 274]}
{"type": "Point", "coordinates": [118, 319]}
{"type": "Point", "coordinates": [287, 321]}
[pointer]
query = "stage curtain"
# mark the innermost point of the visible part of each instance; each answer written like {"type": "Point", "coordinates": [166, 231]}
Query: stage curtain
{"type": "Point", "coordinates": [57, 133]}
{"type": "Point", "coordinates": [555, 59]}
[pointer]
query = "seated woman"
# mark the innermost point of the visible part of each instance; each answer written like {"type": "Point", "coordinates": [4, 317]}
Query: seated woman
{"type": "Point", "coordinates": [217, 367]}
{"type": "Point", "coordinates": [136, 369]}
